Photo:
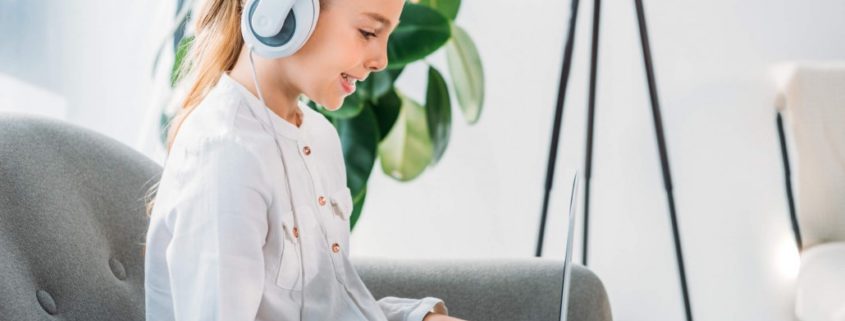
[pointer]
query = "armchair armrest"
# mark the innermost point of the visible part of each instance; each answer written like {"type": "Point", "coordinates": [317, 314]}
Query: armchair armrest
{"type": "Point", "coordinates": [490, 289]}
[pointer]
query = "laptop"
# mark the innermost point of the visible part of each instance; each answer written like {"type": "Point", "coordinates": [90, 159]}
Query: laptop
{"type": "Point", "coordinates": [567, 261]}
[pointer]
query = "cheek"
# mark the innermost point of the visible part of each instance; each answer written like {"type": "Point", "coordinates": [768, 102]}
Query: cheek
{"type": "Point", "coordinates": [326, 91]}
{"type": "Point", "coordinates": [328, 73]}
{"type": "Point", "coordinates": [328, 56]}
{"type": "Point", "coordinates": [316, 80]}
{"type": "Point", "coordinates": [344, 49]}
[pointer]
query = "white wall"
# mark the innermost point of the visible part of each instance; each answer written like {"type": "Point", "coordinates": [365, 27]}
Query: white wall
{"type": "Point", "coordinates": [483, 199]}
{"type": "Point", "coordinates": [712, 64]}
{"type": "Point", "coordinates": [93, 56]}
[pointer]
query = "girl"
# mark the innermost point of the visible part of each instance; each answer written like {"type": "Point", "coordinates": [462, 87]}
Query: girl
{"type": "Point", "coordinates": [251, 217]}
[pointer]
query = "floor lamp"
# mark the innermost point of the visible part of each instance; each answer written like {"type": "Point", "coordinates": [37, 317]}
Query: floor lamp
{"type": "Point", "coordinates": [658, 127]}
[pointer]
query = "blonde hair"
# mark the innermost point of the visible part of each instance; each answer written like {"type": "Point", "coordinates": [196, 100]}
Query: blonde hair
{"type": "Point", "coordinates": [214, 50]}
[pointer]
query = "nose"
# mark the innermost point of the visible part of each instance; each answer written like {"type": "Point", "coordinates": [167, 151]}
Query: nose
{"type": "Point", "coordinates": [378, 62]}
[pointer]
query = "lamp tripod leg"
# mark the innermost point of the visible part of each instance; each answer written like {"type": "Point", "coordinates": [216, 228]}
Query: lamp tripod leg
{"type": "Point", "coordinates": [563, 84]}
{"type": "Point", "coordinates": [591, 113]}
{"type": "Point", "coordinates": [664, 159]}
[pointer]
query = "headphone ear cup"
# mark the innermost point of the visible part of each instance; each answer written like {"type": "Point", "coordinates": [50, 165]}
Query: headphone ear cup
{"type": "Point", "coordinates": [297, 28]}
{"type": "Point", "coordinates": [280, 39]}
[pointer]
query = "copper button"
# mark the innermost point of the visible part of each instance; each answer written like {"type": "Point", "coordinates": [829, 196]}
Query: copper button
{"type": "Point", "coordinates": [335, 247]}
{"type": "Point", "coordinates": [306, 150]}
{"type": "Point", "coordinates": [322, 200]}
{"type": "Point", "coordinates": [295, 231]}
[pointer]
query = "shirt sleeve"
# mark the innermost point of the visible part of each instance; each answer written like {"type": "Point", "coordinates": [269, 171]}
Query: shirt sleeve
{"type": "Point", "coordinates": [406, 309]}
{"type": "Point", "coordinates": [215, 258]}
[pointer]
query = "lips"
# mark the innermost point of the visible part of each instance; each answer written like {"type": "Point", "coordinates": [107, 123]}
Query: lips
{"type": "Point", "coordinates": [347, 83]}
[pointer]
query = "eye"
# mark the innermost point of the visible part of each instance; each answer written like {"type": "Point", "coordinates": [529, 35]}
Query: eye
{"type": "Point", "coordinates": [367, 35]}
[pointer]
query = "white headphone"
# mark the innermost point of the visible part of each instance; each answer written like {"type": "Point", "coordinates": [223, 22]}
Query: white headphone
{"type": "Point", "coordinates": [278, 28]}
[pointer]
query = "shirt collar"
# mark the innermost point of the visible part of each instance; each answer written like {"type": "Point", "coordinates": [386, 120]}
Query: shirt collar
{"type": "Point", "coordinates": [282, 126]}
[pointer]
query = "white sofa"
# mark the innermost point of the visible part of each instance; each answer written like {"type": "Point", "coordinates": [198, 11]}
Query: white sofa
{"type": "Point", "coordinates": [812, 101]}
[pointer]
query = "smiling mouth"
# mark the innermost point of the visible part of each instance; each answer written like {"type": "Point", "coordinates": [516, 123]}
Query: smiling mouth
{"type": "Point", "coordinates": [348, 83]}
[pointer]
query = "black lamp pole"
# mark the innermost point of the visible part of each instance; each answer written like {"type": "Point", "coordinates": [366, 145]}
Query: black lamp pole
{"type": "Point", "coordinates": [591, 116]}
{"type": "Point", "coordinates": [658, 127]}
{"type": "Point", "coordinates": [561, 96]}
{"type": "Point", "coordinates": [664, 158]}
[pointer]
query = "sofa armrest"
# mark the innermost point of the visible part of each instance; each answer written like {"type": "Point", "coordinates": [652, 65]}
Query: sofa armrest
{"type": "Point", "coordinates": [490, 289]}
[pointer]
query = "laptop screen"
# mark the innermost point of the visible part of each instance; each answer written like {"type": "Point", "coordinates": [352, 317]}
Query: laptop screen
{"type": "Point", "coordinates": [567, 262]}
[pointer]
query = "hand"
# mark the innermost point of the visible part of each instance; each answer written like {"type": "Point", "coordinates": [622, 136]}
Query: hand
{"type": "Point", "coordinates": [431, 316]}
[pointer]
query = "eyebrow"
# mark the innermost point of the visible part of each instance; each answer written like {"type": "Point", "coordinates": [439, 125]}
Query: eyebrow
{"type": "Point", "coordinates": [377, 17]}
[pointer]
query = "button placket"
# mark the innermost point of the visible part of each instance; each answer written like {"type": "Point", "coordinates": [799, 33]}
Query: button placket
{"type": "Point", "coordinates": [316, 181]}
{"type": "Point", "coordinates": [332, 237]}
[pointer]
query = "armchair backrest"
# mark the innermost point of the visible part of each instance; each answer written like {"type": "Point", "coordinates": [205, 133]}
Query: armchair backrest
{"type": "Point", "coordinates": [72, 222]}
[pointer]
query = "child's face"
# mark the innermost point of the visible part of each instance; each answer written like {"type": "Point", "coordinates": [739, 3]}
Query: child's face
{"type": "Point", "coordinates": [349, 39]}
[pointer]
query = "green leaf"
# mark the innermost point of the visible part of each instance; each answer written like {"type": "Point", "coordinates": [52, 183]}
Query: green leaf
{"type": "Point", "coordinates": [407, 150]}
{"type": "Point", "coordinates": [422, 31]}
{"type": "Point", "coordinates": [357, 206]}
{"type": "Point", "coordinates": [438, 110]}
{"type": "Point", "coordinates": [386, 110]}
{"type": "Point", "coordinates": [395, 72]}
{"type": "Point", "coordinates": [176, 71]}
{"type": "Point", "coordinates": [359, 140]}
{"type": "Point", "coordinates": [467, 74]}
{"type": "Point", "coordinates": [376, 85]}
{"type": "Point", "coordinates": [448, 8]}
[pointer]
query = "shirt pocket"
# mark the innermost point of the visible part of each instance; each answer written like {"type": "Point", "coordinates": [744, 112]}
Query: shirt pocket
{"type": "Point", "coordinates": [341, 208]}
{"type": "Point", "coordinates": [342, 204]}
{"type": "Point", "coordinates": [290, 267]}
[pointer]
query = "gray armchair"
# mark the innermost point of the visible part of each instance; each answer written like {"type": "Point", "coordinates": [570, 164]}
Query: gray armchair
{"type": "Point", "coordinates": [72, 225]}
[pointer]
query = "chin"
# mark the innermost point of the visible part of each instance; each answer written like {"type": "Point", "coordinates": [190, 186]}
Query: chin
{"type": "Point", "coordinates": [334, 107]}
{"type": "Point", "coordinates": [332, 103]}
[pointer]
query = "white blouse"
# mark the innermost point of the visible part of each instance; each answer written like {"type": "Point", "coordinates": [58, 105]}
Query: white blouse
{"type": "Point", "coordinates": [223, 243]}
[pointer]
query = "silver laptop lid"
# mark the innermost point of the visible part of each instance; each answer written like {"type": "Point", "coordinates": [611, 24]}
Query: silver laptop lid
{"type": "Point", "coordinates": [567, 261]}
